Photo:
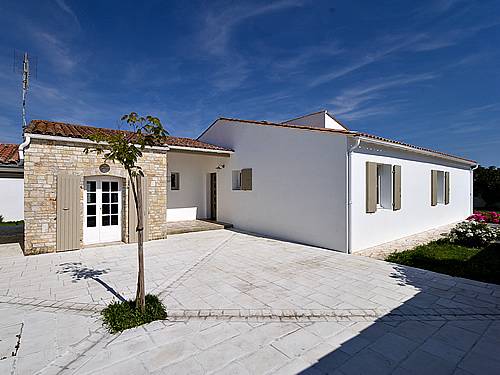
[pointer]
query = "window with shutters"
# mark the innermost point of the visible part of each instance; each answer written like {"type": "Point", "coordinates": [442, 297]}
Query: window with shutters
{"type": "Point", "coordinates": [242, 179]}
{"type": "Point", "coordinates": [383, 187]}
{"type": "Point", "coordinates": [175, 183]}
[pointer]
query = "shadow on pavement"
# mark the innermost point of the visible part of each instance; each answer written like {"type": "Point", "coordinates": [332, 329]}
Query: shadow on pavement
{"type": "Point", "coordinates": [81, 272]}
{"type": "Point", "coordinates": [451, 326]}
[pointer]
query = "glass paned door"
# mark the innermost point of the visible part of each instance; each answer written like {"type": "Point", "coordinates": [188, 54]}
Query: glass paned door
{"type": "Point", "coordinates": [102, 210]}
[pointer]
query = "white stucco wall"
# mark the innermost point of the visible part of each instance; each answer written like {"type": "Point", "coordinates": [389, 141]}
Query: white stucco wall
{"type": "Point", "coordinates": [299, 182]}
{"type": "Point", "coordinates": [11, 198]}
{"type": "Point", "coordinates": [192, 200]}
{"type": "Point", "coordinates": [319, 120]}
{"type": "Point", "coordinates": [416, 214]}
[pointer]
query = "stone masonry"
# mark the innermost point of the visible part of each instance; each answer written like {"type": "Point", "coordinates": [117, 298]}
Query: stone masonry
{"type": "Point", "coordinates": [44, 160]}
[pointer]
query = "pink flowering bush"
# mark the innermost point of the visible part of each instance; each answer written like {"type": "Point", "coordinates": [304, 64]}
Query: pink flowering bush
{"type": "Point", "coordinates": [485, 217]}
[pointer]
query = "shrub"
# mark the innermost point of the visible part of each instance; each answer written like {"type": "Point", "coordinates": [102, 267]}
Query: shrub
{"type": "Point", "coordinates": [119, 316]}
{"type": "Point", "coordinates": [485, 217]}
{"type": "Point", "coordinates": [472, 234]}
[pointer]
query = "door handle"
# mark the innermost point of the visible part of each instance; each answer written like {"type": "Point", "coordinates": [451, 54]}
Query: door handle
{"type": "Point", "coordinates": [65, 209]}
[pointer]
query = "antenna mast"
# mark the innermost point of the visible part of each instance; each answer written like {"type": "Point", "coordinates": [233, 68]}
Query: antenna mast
{"type": "Point", "coordinates": [26, 77]}
{"type": "Point", "coordinates": [27, 66]}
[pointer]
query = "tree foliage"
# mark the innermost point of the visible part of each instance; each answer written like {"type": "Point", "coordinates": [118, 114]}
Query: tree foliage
{"type": "Point", "coordinates": [487, 185]}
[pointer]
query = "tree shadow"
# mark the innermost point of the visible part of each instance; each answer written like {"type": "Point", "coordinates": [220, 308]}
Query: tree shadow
{"type": "Point", "coordinates": [445, 328]}
{"type": "Point", "coordinates": [80, 272]}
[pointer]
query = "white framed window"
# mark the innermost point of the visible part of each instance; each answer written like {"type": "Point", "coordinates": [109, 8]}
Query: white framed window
{"type": "Point", "coordinates": [236, 179]}
{"type": "Point", "coordinates": [384, 186]}
{"type": "Point", "coordinates": [175, 181]}
{"type": "Point", "coordinates": [440, 187]}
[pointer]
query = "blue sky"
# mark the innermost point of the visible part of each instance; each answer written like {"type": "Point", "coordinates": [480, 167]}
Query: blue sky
{"type": "Point", "coordinates": [424, 72]}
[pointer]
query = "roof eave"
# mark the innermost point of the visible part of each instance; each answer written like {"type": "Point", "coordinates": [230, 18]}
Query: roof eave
{"type": "Point", "coordinates": [414, 149]}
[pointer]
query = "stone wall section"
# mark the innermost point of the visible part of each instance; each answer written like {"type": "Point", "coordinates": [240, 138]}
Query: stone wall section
{"type": "Point", "coordinates": [46, 159]}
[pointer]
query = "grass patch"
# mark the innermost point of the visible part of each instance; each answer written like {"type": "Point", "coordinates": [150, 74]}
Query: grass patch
{"type": "Point", "coordinates": [119, 316]}
{"type": "Point", "coordinates": [482, 264]}
{"type": "Point", "coordinates": [11, 223]}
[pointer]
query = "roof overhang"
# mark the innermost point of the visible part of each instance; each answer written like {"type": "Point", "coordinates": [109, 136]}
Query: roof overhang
{"type": "Point", "coordinates": [82, 141]}
{"type": "Point", "coordinates": [434, 154]}
{"type": "Point", "coordinates": [11, 171]}
{"type": "Point", "coordinates": [198, 150]}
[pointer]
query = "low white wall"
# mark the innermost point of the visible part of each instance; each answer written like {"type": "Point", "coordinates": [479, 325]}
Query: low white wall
{"type": "Point", "coordinates": [11, 198]}
{"type": "Point", "coordinates": [416, 214]}
{"type": "Point", "coordinates": [191, 201]}
{"type": "Point", "coordinates": [299, 182]}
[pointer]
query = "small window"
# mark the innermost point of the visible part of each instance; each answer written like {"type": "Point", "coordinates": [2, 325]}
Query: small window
{"type": "Point", "coordinates": [175, 183]}
{"type": "Point", "coordinates": [236, 180]}
{"type": "Point", "coordinates": [384, 186]}
{"type": "Point", "coordinates": [440, 187]}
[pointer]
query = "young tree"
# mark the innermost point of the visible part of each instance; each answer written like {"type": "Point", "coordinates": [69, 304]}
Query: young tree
{"type": "Point", "coordinates": [126, 149]}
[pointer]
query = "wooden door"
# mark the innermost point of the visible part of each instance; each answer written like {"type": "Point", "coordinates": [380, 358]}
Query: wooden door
{"type": "Point", "coordinates": [213, 196]}
{"type": "Point", "coordinates": [68, 212]}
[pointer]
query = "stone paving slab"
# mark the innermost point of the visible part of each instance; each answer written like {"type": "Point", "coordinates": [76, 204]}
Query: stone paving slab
{"type": "Point", "coordinates": [405, 243]}
{"type": "Point", "coordinates": [245, 304]}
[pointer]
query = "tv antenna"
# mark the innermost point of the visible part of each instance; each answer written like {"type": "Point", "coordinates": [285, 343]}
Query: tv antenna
{"type": "Point", "coordinates": [27, 65]}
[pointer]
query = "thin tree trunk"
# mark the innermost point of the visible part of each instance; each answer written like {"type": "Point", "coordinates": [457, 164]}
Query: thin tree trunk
{"type": "Point", "coordinates": [141, 289]}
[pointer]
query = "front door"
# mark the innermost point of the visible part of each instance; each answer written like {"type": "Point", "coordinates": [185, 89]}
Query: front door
{"type": "Point", "coordinates": [213, 196]}
{"type": "Point", "coordinates": [102, 210]}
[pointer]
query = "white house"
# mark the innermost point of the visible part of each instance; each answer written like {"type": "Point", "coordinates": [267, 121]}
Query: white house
{"type": "Point", "coordinates": [309, 180]}
{"type": "Point", "coordinates": [316, 182]}
{"type": "Point", "coordinates": [11, 183]}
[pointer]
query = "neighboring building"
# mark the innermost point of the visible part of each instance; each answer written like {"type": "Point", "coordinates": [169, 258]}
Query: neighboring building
{"type": "Point", "coordinates": [11, 183]}
{"type": "Point", "coordinates": [308, 180]}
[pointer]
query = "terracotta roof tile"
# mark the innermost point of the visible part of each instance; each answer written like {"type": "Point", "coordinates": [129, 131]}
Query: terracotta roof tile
{"type": "Point", "coordinates": [62, 129]}
{"type": "Point", "coordinates": [9, 153]}
{"type": "Point", "coordinates": [347, 132]}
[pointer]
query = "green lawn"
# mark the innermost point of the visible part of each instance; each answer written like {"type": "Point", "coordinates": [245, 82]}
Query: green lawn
{"type": "Point", "coordinates": [10, 223]}
{"type": "Point", "coordinates": [481, 264]}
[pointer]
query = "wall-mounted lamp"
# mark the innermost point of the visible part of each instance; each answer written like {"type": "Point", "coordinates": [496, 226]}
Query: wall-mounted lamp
{"type": "Point", "coordinates": [220, 166]}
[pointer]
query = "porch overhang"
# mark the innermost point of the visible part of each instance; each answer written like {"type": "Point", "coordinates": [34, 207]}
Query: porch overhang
{"type": "Point", "coordinates": [198, 150]}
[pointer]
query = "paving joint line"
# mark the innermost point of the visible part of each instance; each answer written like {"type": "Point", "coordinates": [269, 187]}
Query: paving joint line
{"type": "Point", "coordinates": [192, 269]}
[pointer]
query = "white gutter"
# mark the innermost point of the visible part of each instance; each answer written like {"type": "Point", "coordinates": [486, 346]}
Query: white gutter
{"type": "Point", "coordinates": [472, 188]}
{"type": "Point", "coordinates": [416, 150]}
{"type": "Point", "coordinates": [348, 188]}
{"type": "Point", "coordinates": [22, 146]}
{"type": "Point", "coordinates": [81, 140]}
{"type": "Point", "coordinates": [197, 149]}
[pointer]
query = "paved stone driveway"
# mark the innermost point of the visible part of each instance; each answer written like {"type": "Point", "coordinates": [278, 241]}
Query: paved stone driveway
{"type": "Point", "coordinates": [244, 304]}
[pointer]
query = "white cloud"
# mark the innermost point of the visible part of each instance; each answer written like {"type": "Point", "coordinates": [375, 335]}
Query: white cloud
{"type": "Point", "coordinates": [219, 23]}
{"type": "Point", "coordinates": [363, 100]}
{"type": "Point", "coordinates": [67, 9]}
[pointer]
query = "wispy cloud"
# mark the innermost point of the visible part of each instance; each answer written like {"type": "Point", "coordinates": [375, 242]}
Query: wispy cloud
{"type": "Point", "coordinates": [67, 9]}
{"type": "Point", "coordinates": [219, 23]}
{"type": "Point", "coordinates": [56, 51]}
{"type": "Point", "coordinates": [382, 49]}
{"type": "Point", "coordinates": [363, 100]}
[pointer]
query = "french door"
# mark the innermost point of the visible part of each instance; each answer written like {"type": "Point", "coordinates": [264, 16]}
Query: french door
{"type": "Point", "coordinates": [102, 210]}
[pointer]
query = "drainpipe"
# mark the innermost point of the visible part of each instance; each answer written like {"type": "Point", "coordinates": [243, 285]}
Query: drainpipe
{"type": "Point", "coordinates": [472, 188]}
{"type": "Point", "coordinates": [349, 200]}
{"type": "Point", "coordinates": [22, 146]}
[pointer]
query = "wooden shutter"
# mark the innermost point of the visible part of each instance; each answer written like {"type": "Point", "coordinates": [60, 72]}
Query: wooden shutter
{"type": "Point", "coordinates": [446, 187]}
{"type": "Point", "coordinates": [246, 179]}
{"type": "Point", "coordinates": [68, 212]}
{"type": "Point", "coordinates": [371, 187]}
{"type": "Point", "coordinates": [396, 190]}
{"type": "Point", "coordinates": [132, 213]}
{"type": "Point", "coordinates": [434, 182]}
